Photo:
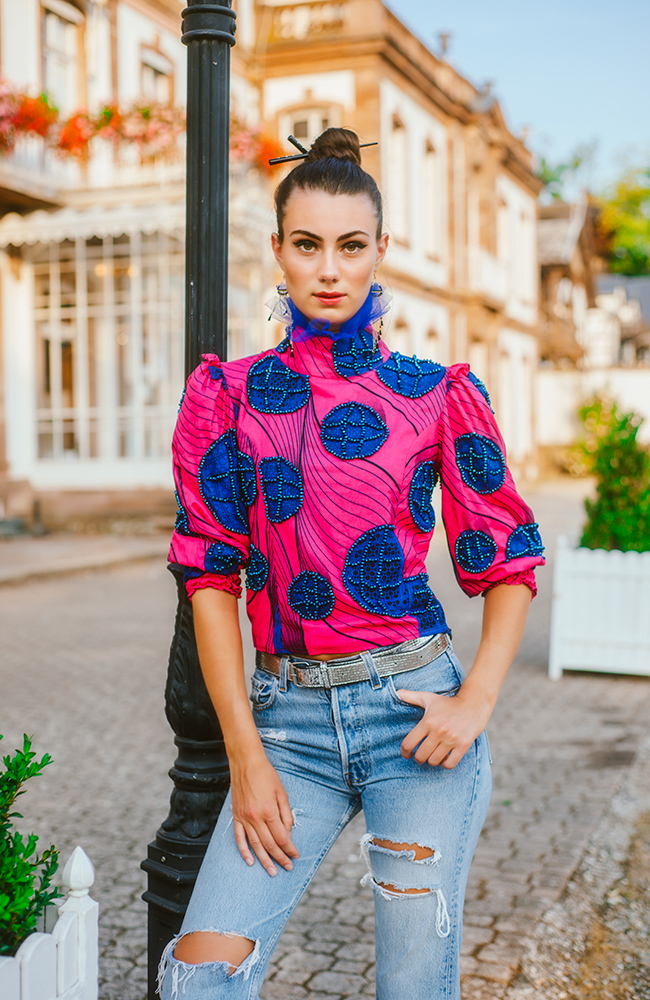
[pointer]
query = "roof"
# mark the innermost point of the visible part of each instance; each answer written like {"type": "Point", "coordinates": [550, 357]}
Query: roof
{"type": "Point", "coordinates": [557, 236]}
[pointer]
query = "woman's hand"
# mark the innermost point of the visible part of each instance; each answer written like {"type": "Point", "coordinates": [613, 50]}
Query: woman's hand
{"type": "Point", "coordinates": [447, 729]}
{"type": "Point", "coordinates": [261, 814]}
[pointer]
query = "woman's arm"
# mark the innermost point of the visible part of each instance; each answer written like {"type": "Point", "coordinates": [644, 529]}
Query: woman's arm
{"type": "Point", "coordinates": [261, 812]}
{"type": "Point", "coordinates": [449, 726]}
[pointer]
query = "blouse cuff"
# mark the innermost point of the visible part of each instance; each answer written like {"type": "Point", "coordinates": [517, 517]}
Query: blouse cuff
{"type": "Point", "coordinates": [217, 581]}
{"type": "Point", "coordinates": [527, 577]}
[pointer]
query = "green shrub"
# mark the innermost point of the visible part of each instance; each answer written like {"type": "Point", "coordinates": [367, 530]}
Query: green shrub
{"type": "Point", "coordinates": [619, 517]}
{"type": "Point", "coordinates": [25, 878]}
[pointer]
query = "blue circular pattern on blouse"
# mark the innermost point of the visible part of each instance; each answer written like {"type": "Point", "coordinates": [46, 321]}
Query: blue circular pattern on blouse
{"type": "Point", "coordinates": [422, 484]}
{"type": "Point", "coordinates": [525, 540]}
{"type": "Point", "coordinates": [355, 355]}
{"type": "Point", "coordinates": [257, 570]}
{"type": "Point", "coordinates": [222, 558]}
{"type": "Point", "coordinates": [283, 345]}
{"type": "Point", "coordinates": [410, 377]}
{"type": "Point", "coordinates": [481, 462]}
{"type": "Point", "coordinates": [311, 595]}
{"type": "Point", "coordinates": [475, 551]}
{"type": "Point", "coordinates": [282, 488]}
{"type": "Point", "coordinates": [373, 571]}
{"type": "Point", "coordinates": [352, 430]}
{"type": "Point", "coordinates": [481, 388]}
{"type": "Point", "coordinates": [274, 388]}
{"type": "Point", "coordinates": [220, 482]}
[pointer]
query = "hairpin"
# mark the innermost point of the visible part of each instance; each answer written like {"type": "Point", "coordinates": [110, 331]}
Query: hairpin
{"type": "Point", "coordinates": [304, 152]}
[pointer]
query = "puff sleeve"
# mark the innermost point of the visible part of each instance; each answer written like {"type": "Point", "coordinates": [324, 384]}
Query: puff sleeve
{"type": "Point", "coordinates": [215, 484]}
{"type": "Point", "coordinates": [493, 537]}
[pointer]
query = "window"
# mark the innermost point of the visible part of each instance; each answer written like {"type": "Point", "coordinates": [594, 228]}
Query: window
{"type": "Point", "coordinates": [305, 124]}
{"type": "Point", "coordinates": [398, 179]}
{"type": "Point", "coordinates": [430, 201]}
{"type": "Point", "coordinates": [157, 75]}
{"type": "Point", "coordinates": [109, 345]}
{"type": "Point", "coordinates": [61, 49]}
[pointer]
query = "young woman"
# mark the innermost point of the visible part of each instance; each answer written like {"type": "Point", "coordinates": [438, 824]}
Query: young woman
{"type": "Point", "coordinates": [312, 465]}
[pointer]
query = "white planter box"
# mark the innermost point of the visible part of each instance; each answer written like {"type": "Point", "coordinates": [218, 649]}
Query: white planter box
{"type": "Point", "coordinates": [61, 965]}
{"type": "Point", "coordinates": [600, 615]}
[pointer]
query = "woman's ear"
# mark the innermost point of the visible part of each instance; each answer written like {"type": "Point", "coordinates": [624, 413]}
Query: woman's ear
{"type": "Point", "coordinates": [382, 247]}
{"type": "Point", "coordinates": [277, 248]}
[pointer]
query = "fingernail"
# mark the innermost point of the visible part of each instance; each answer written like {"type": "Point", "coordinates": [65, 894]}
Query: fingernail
{"type": "Point", "coordinates": [273, 871]}
{"type": "Point", "coordinates": [249, 861]}
{"type": "Point", "coordinates": [288, 867]}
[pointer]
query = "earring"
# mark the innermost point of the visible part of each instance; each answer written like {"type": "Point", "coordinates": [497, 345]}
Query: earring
{"type": "Point", "coordinates": [282, 289]}
{"type": "Point", "coordinates": [376, 289]}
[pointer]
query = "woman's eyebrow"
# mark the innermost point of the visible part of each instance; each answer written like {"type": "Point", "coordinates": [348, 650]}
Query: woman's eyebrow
{"type": "Point", "coordinates": [355, 232]}
{"type": "Point", "coordinates": [340, 239]}
{"type": "Point", "coordinates": [305, 232]}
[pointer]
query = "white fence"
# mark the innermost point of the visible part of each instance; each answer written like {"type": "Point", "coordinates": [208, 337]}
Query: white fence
{"type": "Point", "coordinates": [61, 965]}
{"type": "Point", "coordinates": [600, 617]}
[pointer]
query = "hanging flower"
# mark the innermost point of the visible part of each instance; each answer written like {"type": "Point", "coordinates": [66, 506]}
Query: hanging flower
{"type": "Point", "coordinates": [35, 115]}
{"type": "Point", "coordinates": [251, 144]}
{"type": "Point", "coordinates": [109, 123]}
{"type": "Point", "coordinates": [75, 135]}
{"type": "Point", "coordinates": [8, 107]}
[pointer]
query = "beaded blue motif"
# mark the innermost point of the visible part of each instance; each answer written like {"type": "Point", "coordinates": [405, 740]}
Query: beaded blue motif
{"type": "Point", "coordinates": [525, 540]}
{"type": "Point", "coordinates": [475, 551]}
{"type": "Point", "coordinates": [422, 484]}
{"type": "Point", "coordinates": [227, 483]}
{"type": "Point", "coordinates": [481, 388]}
{"type": "Point", "coordinates": [283, 346]}
{"type": "Point", "coordinates": [410, 377]}
{"type": "Point", "coordinates": [182, 524]}
{"type": "Point", "coordinates": [352, 430]}
{"type": "Point", "coordinates": [480, 462]}
{"type": "Point", "coordinates": [282, 488]}
{"type": "Point", "coordinates": [257, 570]}
{"type": "Point", "coordinates": [222, 558]}
{"type": "Point", "coordinates": [180, 402]}
{"type": "Point", "coordinates": [373, 570]}
{"type": "Point", "coordinates": [273, 388]}
{"type": "Point", "coordinates": [355, 355]}
{"type": "Point", "coordinates": [311, 595]}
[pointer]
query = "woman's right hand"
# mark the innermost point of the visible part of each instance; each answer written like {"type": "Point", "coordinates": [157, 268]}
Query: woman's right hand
{"type": "Point", "coordinates": [261, 814]}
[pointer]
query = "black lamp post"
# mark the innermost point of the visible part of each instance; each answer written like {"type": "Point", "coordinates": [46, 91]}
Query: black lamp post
{"type": "Point", "coordinates": [200, 772]}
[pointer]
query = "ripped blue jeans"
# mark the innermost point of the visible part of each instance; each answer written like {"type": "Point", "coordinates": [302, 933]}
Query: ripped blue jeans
{"type": "Point", "coordinates": [338, 751]}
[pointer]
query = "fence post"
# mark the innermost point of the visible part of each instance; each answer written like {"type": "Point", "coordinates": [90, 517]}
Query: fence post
{"type": "Point", "coordinates": [200, 773]}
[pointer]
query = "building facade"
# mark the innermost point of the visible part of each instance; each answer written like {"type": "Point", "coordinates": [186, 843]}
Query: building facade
{"type": "Point", "coordinates": [91, 251]}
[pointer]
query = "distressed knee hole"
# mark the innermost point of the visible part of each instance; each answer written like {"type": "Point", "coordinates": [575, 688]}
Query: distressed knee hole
{"type": "Point", "coordinates": [419, 853]}
{"type": "Point", "coordinates": [213, 946]}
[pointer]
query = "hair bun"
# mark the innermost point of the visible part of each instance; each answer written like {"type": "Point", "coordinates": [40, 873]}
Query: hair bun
{"type": "Point", "coordinates": [337, 144]}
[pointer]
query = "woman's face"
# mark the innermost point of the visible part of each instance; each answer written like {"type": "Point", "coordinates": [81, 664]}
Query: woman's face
{"type": "Point", "coordinates": [329, 252]}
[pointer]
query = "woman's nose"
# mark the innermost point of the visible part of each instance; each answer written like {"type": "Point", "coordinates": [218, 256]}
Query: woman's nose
{"type": "Point", "coordinates": [329, 269]}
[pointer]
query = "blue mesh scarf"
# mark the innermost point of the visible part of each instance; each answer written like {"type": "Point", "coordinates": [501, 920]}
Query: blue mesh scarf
{"type": "Point", "coordinates": [299, 327]}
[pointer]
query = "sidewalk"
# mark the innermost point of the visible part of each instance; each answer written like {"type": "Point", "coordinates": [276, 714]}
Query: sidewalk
{"type": "Point", "coordinates": [24, 558]}
{"type": "Point", "coordinates": [88, 681]}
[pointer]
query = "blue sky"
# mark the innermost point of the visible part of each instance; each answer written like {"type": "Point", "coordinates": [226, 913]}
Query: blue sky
{"type": "Point", "coordinates": [573, 71]}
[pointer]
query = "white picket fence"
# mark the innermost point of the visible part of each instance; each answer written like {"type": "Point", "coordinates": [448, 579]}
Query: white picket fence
{"type": "Point", "coordinates": [600, 615]}
{"type": "Point", "coordinates": [61, 965]}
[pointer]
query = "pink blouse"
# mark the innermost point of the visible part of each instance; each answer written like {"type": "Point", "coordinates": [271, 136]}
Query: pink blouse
{"type": "Point", "coordinates": [312, 465]}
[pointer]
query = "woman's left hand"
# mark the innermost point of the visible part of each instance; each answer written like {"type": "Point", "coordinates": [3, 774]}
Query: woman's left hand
{"type": "Point", "coordinates": [447, 729]}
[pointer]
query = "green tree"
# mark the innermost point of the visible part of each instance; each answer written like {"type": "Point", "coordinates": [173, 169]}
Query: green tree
{"type": "Point", "coordinates": [554, 176]}
{"type": "Point", "coordinates": [625, 222]}
{"type": "Point", "coordinates": [619, 516]}
{"type": "Point", "coordinates": [25, 877]}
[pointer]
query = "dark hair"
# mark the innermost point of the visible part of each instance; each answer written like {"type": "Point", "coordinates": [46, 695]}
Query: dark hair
{"type": "Point", "coordinates": [333, 165]}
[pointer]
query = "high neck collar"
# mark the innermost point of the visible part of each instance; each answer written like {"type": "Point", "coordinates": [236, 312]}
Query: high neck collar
{"type": "Point", "coordinates": [312, 347]}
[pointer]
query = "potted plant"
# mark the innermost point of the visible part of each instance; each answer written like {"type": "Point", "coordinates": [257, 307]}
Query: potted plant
{"type": "Point", "coordinates": [601, 588]}
{"type": "Point", "coordinates": [63, 963]}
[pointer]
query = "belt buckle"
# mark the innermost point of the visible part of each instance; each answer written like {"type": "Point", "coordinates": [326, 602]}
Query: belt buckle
{"type": "Point", "coordinates": [308, 673]}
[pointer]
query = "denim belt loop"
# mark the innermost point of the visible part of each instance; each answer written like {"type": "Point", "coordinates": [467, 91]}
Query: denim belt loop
{"type": "Point", "coordinates": [284, 673]}
{"type": "Point", "coordinates": [375, 679]}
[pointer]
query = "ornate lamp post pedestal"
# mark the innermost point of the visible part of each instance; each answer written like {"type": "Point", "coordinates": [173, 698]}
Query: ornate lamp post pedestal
{"type": "Point", "coordinates": [200, 772]}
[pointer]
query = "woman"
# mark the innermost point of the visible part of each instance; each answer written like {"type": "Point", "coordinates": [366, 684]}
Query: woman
{"type": "Point", "coordinates": [312, 465]}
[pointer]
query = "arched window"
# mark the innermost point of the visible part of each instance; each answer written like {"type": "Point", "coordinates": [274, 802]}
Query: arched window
{"type": "Point", "coordinates": [306, 123]}
{"type": "Point", "coordinates": [61, 49]}
{"type": "Point", "coordinates": [430, 201]}
{"type": "Point", "coordinates": [398, 179]}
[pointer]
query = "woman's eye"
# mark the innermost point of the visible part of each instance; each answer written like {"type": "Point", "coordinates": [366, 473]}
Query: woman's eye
{"type": "Point", "coordinates": [305, 244]}
{"type": "Point", "coordinates": [354, 247]}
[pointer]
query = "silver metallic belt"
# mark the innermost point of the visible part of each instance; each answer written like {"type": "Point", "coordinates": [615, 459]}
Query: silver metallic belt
{"type": "Point", "coordinates": [397, 659]}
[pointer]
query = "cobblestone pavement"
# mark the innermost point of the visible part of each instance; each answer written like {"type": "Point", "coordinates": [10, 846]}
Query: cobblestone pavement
{"type": "Point", "coordinates": [83, 669]}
